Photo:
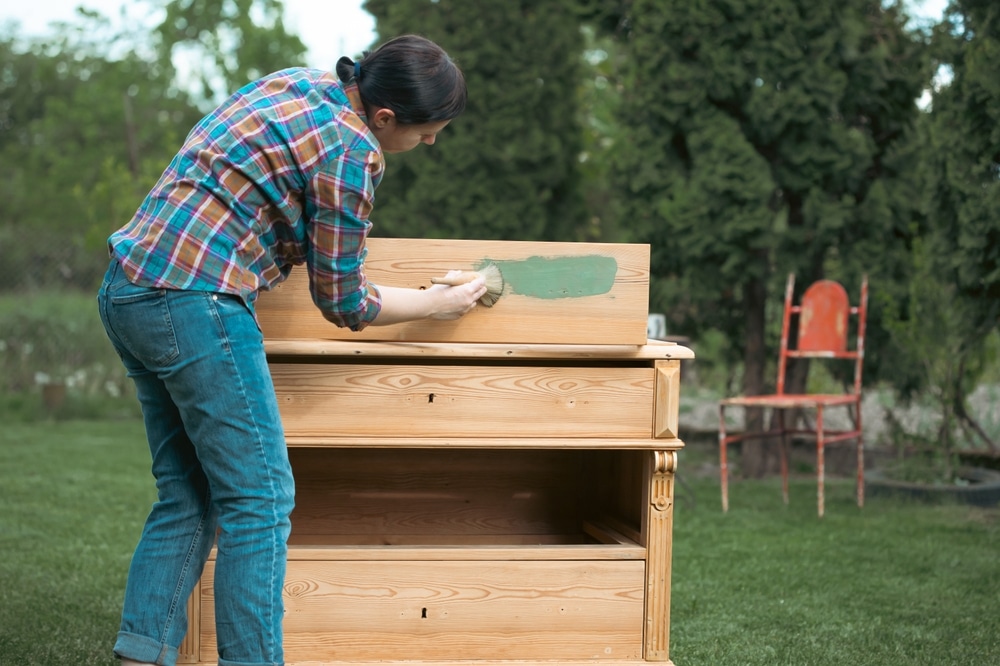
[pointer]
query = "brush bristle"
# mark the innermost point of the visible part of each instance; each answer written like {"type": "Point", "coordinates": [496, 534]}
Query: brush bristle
{"type": "Point", "coordinates": [494, 284]}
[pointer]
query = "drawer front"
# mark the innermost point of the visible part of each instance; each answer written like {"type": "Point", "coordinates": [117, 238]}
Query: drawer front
{"type": "Point", "coordinates": [417, 610]}
{"type": "Point", "coordinates": [465, 401]}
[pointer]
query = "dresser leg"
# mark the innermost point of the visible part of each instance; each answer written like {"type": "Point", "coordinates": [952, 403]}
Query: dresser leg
{"type": "Point", "coordinates": [658, 528]}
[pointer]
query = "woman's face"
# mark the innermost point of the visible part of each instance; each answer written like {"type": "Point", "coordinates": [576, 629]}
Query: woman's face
{"type": "Point", "coordinates": [397, 138]}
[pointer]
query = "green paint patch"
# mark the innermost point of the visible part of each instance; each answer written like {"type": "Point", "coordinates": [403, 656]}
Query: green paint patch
{"type": "Point", "coordinates": [558, 277]}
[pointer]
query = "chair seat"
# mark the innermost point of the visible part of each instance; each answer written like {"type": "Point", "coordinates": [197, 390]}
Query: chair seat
{"type": "Point", "coordinates": [787, 401]}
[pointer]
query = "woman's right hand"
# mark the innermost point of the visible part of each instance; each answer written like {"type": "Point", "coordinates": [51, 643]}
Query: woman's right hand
{"type": "Point", "coordinates": [458, 300]}
{"type": "Point", "coordinates": [439, 301]}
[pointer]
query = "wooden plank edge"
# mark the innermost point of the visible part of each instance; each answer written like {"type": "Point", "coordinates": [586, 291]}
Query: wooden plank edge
{"type": "Point", "coordinates": [430, 442]}
{"type": "Point", "coordinates": [472, 662]}
{"type": "Point", "coordinates": [653, 349]}
{"type": "Point", "coordinates": [301, 539]}
{"type": "Point", "coordinates": [617, 526]}
{"type": "Point", "coordinates": [607, 534]}
{"type": "Point", "coordinates": [566, 553]}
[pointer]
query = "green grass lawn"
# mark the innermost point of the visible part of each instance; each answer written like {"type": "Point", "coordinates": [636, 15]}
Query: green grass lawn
{"type": "Point", "coordinates": [73, 496]}
{"type": "Point", "coordinates": [894, 583]}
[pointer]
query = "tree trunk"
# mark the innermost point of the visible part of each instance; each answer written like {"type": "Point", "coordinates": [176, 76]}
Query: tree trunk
{"type": "Point", "coordinates": [962, 414]}
{"type": "Point", "coordinates": [752, 452]}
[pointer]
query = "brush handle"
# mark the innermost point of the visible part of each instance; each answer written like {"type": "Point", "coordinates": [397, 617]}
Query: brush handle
{"type": "Point", "coordinates": [464, 278]}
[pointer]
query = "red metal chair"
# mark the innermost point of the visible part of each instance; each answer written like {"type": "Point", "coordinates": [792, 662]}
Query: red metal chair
{"type": "Point", "coordinates": [823, 320]}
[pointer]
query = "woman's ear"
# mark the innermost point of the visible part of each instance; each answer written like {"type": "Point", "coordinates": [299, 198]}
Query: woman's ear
{"type": "Point", "coordinates": [382, 118]}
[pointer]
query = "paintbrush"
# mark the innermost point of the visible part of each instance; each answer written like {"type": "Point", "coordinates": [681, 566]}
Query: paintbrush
{"type": "Point", "coordinates": [491, 276]}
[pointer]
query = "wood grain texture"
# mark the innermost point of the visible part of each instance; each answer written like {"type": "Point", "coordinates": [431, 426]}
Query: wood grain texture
{"type": "Point", "coordinates": [289, 349]}
{"type": "Point", "coordinates": [658, 528]}
{"type": "Point", "coordinates": [570, 546]}
{"type": "Point", "coordinates": [615, 317]}
{"type": "Point", "coordinates": [666, 400]}
{"type": "Point", "coordinates": [407, 610]}
{"type": "Point", "coordinates": [496, 491]}
{"type": "Point", "coordinates": [462, 496]}
{"type": "Point", "coordinates": [480, 662]}
{"type": "Point", "coordinates": [334, 441]}
{"type": "Point", "coordinates": [468, 553]}
{"type": "Point", "coordinates": [464, 401]}
{"type": "Point", "coordinates": [189, 651]}
{"type": "Point", "coordinates": [437, 496]}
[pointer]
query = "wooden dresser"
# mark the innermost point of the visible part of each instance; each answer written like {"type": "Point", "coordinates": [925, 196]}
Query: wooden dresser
{"type": "Point", "coordinates": [497, 488]}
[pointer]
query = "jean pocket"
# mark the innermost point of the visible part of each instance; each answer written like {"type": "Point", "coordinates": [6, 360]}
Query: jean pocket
{"type": "Point", "coordinates": [238, 326]}
{"type": "Point", "coordinates": [141, 318]}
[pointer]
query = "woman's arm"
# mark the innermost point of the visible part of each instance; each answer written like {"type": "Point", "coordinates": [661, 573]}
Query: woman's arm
{"type": "Point", "coordinates": [400, 304]}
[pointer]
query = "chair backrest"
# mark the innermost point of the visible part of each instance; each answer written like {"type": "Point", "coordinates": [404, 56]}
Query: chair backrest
{"type": "Point", "coordinates": [823, 317]}
{"type": "Point", "coordinates": [823, 314]}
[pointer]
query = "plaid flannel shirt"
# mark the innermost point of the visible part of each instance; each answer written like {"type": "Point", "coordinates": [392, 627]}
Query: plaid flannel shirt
{"type": "Point", "coordinates": [283, 173]}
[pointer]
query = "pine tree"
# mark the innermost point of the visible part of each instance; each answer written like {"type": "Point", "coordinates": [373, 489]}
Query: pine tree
{"type": "Point", "coordinates": [965, 203]}
{"type": "Point", "coordinates": [964, 207]}
{"type": "Point", "coordinates": [508, 167]}
{"type": "Point", "coordinates": [764, 138]}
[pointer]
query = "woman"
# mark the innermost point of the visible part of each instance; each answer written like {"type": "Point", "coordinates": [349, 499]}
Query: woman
{"type": "Point", "coordinates": [282, 173]}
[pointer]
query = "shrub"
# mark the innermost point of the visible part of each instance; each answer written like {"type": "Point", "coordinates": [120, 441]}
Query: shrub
{"type": "Point", "coordinates": [56, 338]}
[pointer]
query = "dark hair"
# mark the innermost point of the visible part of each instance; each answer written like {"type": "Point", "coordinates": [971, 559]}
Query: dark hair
{"type": "Point", "coordinates": [411, 76]}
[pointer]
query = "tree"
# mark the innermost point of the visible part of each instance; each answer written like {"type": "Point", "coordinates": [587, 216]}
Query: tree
{"type": "Point", "coordinates": [232, 42]}
{"type": "Point", "coordinates": [764, 137]}
{"type": "Point", "coordinates": [508, 167]}
{"type": "Point", "coordinates": [85, 136]}
{"type": "Point", "coordinates": [963, 153]}
{"type": "Point", "coordinates": [600, 98]}
{"type": "Point", "coordinates": [91, 118]}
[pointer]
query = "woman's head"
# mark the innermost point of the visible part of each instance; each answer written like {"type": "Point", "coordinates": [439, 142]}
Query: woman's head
{"type": "Point", "coordinates": [410, 76]}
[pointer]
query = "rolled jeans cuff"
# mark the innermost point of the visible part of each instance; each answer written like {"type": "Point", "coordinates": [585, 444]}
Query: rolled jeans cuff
{"type": "Point", "coordinates": [140, 648]}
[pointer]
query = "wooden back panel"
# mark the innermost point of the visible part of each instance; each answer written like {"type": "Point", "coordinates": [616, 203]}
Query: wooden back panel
{"type": "Point", "coordinates": [423, 496]}
{"type": "Point", "coordinates": [389, 496]}
{"type": "Point", "coordinates": [564, 293]}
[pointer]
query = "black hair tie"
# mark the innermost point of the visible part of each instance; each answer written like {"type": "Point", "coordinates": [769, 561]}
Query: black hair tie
{"type": "Point", "coordinates": [357, 70]}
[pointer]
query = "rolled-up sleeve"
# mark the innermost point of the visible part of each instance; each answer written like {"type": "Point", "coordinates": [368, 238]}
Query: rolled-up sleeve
{"type": "Point", "coordinates": [340, 199]}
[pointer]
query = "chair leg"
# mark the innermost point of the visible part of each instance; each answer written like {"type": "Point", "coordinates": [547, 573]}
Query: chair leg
{"type": "Point", "coordinates": [861, 472]}
{"type": "Point", "coordinates": [861, 454]}
{"type": "Point", "coordinates": [783, 454]}
{"type": "Point", "coordinates": [820, 463]}
{"type": "Point", "coordinates": [723, 463]}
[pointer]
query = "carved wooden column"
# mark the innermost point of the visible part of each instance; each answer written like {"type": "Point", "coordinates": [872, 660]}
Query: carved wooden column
{"type": "Point", "coordinates": [658, 528]}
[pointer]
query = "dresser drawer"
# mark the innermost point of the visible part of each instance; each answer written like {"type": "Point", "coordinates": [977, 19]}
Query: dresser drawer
{"type": "Point", "coordinates": [450, 610]}
{"type": "Point", "coordinates": [465, 400]}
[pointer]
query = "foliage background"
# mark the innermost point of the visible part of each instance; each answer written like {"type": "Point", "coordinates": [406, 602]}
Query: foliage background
{"type": "Point", "coordinates": [741, 139]}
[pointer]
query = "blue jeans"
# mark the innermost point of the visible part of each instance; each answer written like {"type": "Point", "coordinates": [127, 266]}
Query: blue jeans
{"type": "Point", "coordinates": [221, 468]}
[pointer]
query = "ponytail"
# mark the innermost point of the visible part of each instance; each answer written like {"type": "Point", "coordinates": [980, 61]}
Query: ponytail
{"type": "Point", "coordinates": [411, 76]}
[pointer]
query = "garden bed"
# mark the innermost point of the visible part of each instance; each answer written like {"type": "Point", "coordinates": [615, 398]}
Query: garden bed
{"type": "Point", "coordinates": [977, 486]}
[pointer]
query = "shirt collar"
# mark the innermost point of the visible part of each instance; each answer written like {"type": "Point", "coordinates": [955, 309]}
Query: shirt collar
{"type": "Point", "coordinates": [354, 96]}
